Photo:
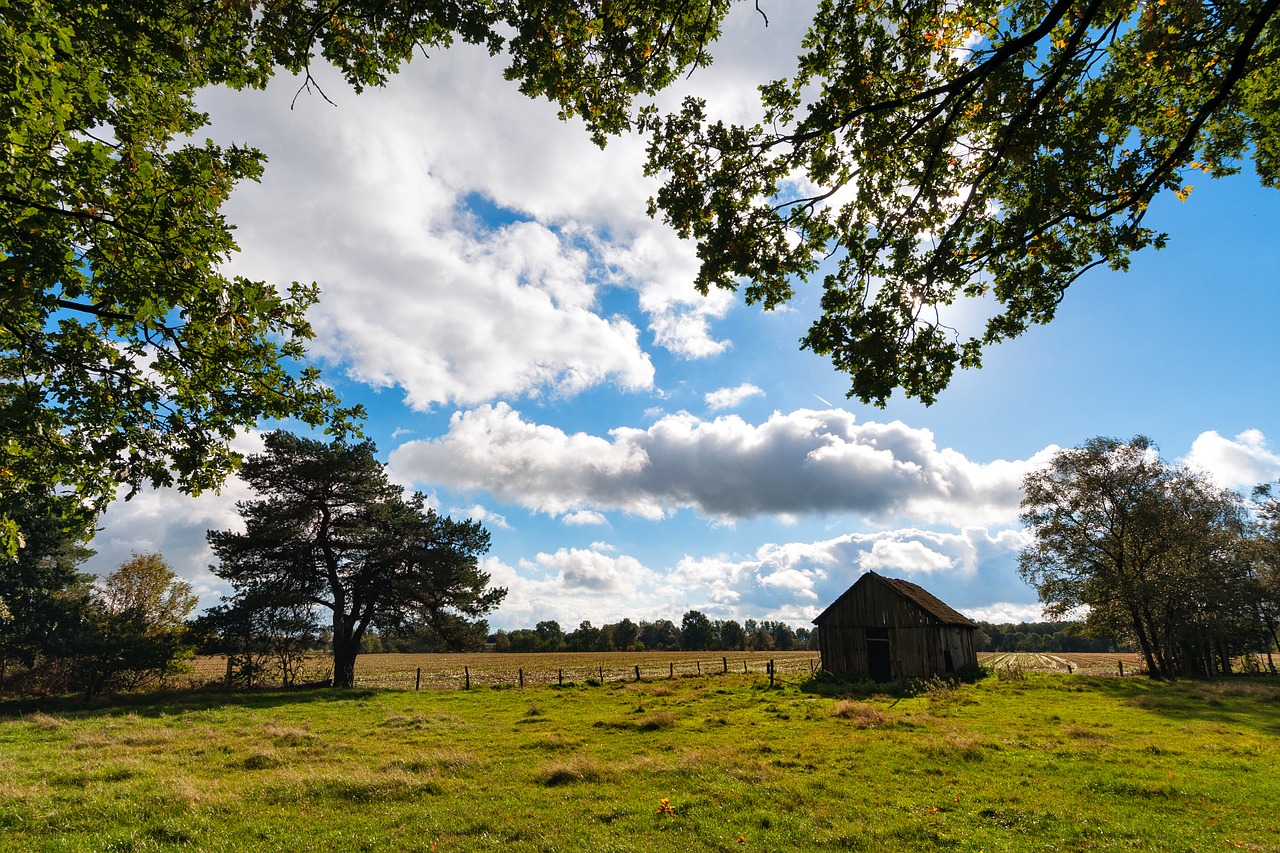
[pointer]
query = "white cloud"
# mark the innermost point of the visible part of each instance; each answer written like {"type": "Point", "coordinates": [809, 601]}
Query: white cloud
{"type": "Point", "coordinates": [574, 584]}
{"type": "Point", "coordinates": [1004, 612]}
{"type": "Point", "coordinates": [172, 524]}
{"type": "Point", "coordinates": [482, 514]}
{"type": "Point", "coordinates": [584, 517]}
{"type": "Point", "coordinates": [911, 557]}
{"type": "Point", "coordinates": [375, 201]}
{"type": "Point", "coordinates": [1234, 463]}
{"type": "Point", "coordinates": [799, 463]}
{"type": "Point", "coordinates": [727, 398]}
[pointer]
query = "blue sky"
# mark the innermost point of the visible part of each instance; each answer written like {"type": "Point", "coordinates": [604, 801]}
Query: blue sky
{"type": "Point", "coordinates": [532, 354]}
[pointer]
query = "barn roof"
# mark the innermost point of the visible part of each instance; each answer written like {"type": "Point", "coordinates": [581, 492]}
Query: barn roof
{"type": "Point", "coordinates": [914, 593]}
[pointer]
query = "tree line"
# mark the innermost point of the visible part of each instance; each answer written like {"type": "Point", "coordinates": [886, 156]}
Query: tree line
{"type": "Point", "coordinates": [695, 633]}
{"type": "Point", "coordinates": [1065, 636]}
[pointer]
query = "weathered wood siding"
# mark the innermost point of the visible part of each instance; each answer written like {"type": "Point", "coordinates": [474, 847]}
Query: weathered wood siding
{"type": "Point", "coordinates": [918, 642]}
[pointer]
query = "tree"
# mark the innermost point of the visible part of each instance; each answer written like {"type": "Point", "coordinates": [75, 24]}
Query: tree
{"type": "Point", "coordinates": [732, 637]}
{"type": "Point", "coordinates": [134, 630]}
{"type": "Point", "coordinates": [42, 591]}
{"type": "Point", "coordinates": [329, 530]}
{"type": "Point", "coordinates": [697, 633]}
{"type": "Point", "coordinates": [550, 635]}
{"type": "Point", "coordinates": [126, 356]}
{"type": "Point", "coordinates": [585, 639]}
{"type": "Point", "coordinates": [263, 636]}
{"type": "Point", "coordinates": [145, 584]}
{"type": "Point", "coordinates": [993, 150]}
{"type": "Point", "coordinates": [1267, 554]}
{"type": "Point", "coordinates": [1150, 551]}
{"type": "Point", "coordinates": [625, 634]}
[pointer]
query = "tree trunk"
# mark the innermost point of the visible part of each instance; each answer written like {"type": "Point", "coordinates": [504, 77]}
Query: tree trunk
{"type": "Point", "coordinates": [346, 645]}
{"type": "Point", "coordinates": [344, 664]}
{"type": "Point", "coordinates": [1144, 642]}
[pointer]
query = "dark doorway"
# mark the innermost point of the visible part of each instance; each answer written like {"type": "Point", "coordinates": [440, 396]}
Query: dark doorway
{"type": "Point", "coordinates": [879, 666]}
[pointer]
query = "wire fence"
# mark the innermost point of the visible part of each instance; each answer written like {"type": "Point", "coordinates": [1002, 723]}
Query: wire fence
{"type": "Point", "coordinates": [469, 676]}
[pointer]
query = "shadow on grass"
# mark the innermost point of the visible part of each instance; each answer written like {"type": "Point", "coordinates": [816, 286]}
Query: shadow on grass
{"type": "Point", "coordinates": [158, 703]}
{"type": "Point", "coordinates": [1251, 703]}
{"type": "Point", "coordinates": [827, 685]}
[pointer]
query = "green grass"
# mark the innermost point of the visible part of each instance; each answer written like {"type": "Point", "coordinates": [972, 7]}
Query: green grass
{"type": "Point", "coordinates": [1049, 762]}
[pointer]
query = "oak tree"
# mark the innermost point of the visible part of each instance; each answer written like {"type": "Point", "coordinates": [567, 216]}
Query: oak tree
{"type": "Point", "coordinates": [929, 152]}
{"type": "Point", "coordinates": [127, 355]}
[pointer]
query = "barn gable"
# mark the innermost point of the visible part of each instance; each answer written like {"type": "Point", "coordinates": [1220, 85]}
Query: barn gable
{"type": "Point", "coordinates": [887, 628]}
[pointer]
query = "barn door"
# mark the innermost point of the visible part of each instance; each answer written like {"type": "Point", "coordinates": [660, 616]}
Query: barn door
{"type": "Point", "coordinates": [879, 666]}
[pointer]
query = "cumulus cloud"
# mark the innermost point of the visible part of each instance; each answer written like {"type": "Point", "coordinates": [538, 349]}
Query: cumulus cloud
{"type": "Point", "coordinates": [1004, 612]}
{"type": "Point", "coordinates": [910, 556]}
{"type": "Point", "coordinates": [803, 462]}
{"type": "Point", "coordinates": [1234, 463]}
{"type": "Point", "coordinates": [584, 517]}
{"type": "Point", "coordinates": [573, 584]}
{"type": "Point", "coordinates": [462, 236]}
{"type": "Point", "coordinates": [482, 514]}
{"type": "Point", "coordinates": [727, 398]}
{"type": "Point", "coordinates": [170, 523]}
{"type": "Point", "coordinates": [174, 524]}
{"type": "Point", "coordinates": [797, 580]}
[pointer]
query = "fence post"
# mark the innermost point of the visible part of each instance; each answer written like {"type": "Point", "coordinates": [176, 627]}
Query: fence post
{"type": "Point", "coordinates": [466, 673]}
{"type": "Point", "coordinates": [602, 675]}
{"type": "Point", "coordinates": [637, 672]}
{"type": "Point", "coordinates": [1121, 664]}
{"type": "Point", "coordinates": [744, 666]}
{"type": "Point", "coordinates": [671, 670]}
{"type": "Point", "coordinates": [521, 672]}
{"type": "Point", "coordinates": [770, 673]}
{"type": "Point", "coordinates": [725, 661]}
{"type": "Point", "coordinates": [417, 684]}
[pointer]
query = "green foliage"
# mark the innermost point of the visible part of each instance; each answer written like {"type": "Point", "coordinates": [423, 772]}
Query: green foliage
{"type": "Point", "coordinates": [1156, 554]}
{"type": "Point", "coordinates": [330, 531]}
{"type": "Point", "coordinates": [987, 151]}
{"type": "Point", "coordinates": [126, 356]}
{"type": "Point", "coordinates": [1041, 637]}
{"type": "Point", "coordinates": [697, 632]}
{"type": "Point", "coordinates": [131, 633]}
{"type": "Point", "coordinates": [42, 592]}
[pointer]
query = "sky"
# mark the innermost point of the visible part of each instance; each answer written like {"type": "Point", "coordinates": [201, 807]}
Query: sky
{"type": "Point", "coordinates": [532, 354]}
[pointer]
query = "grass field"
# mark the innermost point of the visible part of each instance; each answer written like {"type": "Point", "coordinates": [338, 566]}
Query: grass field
{"type": "Point", "coordinates": [1018, 762]}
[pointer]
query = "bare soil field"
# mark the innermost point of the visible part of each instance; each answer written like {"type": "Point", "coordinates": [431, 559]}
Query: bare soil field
{"type": "Point", "coordinates": [1085, 663]}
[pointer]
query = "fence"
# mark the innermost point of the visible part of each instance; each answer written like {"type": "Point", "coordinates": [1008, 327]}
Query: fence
{"type": "Point", "coordinates": [484, 675]}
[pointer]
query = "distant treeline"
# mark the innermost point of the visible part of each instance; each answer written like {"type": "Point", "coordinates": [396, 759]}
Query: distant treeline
{"type": "Point", "coordinates": [697, 632]}
{"type": "Point", "coordinates": [1042, 637]}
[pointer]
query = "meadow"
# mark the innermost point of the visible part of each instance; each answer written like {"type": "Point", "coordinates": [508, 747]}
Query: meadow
{"type": "Point", "coordinates": [1015, 762]}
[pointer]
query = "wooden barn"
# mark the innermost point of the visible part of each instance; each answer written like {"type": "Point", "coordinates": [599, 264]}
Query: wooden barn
{"type": "Point", "coordinates": [883, 629]}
